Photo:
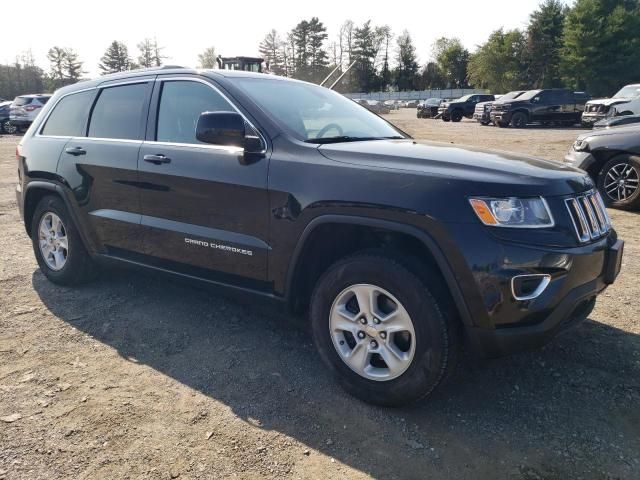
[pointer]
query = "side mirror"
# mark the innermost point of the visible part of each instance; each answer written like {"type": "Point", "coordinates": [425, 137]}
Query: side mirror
{"type": "Point", "coordinates": [221, 128]}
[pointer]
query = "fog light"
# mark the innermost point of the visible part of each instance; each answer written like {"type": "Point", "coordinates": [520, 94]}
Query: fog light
{"type": "Point", "coordinates": [529, 287]}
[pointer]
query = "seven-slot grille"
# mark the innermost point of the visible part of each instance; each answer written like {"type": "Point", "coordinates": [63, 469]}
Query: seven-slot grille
{"type": "Point", "coordinates": [589, 216]}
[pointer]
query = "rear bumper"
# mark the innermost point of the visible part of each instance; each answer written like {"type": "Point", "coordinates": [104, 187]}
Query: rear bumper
{"type": "Point", "coordinates": [565, 310]}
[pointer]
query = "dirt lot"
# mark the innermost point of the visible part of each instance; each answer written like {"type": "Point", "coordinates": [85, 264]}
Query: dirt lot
{"type": "Point", "coordinates": [134, 376]}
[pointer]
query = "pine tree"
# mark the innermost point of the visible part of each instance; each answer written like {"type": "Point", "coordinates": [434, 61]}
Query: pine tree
{"type": "Point", "coordinates": [72, 65]}
{"type": "Point", "coordinates": [150, 53]}
{"type": "Point", "coordinates": [56, 56]}
{"type": "Point", "coordinates": [116, 59]}
{"type": "Point", "coordinates": [407, 70]}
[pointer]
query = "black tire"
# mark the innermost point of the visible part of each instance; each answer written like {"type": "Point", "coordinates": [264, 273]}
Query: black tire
{"type": "Point", "coordinates": [446, 118]}
{"type": "Point", "coordinates": [436, 334]}
{"type": "Point", "coordinates": [616, 164]}
{"type": "Point", "coordinates": [456, 115]}
{"type": "Point", "coordinates": [78, 267]}
{"type": "Point", "coordinates": [501, 124]}
{"type": "Point", "coordinates": [519, 120]}
{"type": "Point", "coordinates": [484, 124]}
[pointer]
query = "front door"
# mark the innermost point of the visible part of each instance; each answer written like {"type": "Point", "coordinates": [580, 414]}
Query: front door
{"type": "Point", "coordinates": [205, 211]}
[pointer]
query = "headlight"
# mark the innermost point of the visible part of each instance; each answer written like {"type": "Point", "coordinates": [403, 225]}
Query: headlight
{"type": "Point", "coordinates": [513, 212]}
{"type": "Point", "coordinates": [581, 146]}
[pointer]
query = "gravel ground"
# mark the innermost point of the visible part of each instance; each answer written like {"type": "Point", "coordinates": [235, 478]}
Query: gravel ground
{"type": "Point", "coordinates": [135, 376]}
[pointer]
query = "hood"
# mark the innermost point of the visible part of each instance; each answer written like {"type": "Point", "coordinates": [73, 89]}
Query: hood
{"type": "Point", "coordinates": [632, 130]}
{"type": "Point", "coordinates": [608, 101]}
{"type": "Point", "coordinates": [484, 172]}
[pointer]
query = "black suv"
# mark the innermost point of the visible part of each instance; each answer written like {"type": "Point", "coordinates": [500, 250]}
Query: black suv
{"type": "Point", "coordinates": [289, 191]}
{"type": "Point", "coordinates": [557, 106]}
{"type": "Point", "coordinates": [454, 110]}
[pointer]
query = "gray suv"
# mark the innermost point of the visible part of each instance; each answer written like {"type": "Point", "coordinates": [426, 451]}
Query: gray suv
{"type": "Point", "coordinates": [612, 159]}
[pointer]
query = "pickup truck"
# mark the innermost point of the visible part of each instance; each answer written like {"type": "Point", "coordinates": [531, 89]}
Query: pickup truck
{"type": "Point", "coordinates": [462, 107]}
{"type": "Point", "coordinates": [557, 106]}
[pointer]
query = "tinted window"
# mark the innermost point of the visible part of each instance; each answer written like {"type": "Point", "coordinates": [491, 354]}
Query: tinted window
{"type": "Point", "coordinates": [181, 103]}
{"type": "Point", "coordinates": [118, 112]}
{"type": "Point", "coordinates": [69, 116]}
{"type": "Point", "coordinates": [43, 100]}
{"type": "Point", "coordinates": [20, 101]}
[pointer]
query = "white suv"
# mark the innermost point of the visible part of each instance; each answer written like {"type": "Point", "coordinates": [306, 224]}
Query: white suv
{"type": "Point", "coordinates": [25, 109]}
{"type": "Point", "coordinates": [625, 102]}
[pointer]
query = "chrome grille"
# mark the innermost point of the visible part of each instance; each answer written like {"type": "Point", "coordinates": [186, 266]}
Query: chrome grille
{"type": "Point", "coordinates": [589, 216]}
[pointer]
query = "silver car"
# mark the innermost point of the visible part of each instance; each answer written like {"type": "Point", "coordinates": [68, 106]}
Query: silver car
{"type": "Point", "coordinates": [25, 109]}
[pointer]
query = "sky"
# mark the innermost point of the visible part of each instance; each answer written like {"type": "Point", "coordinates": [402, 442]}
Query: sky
{"type": "Point", "coordinates": [186, 27]}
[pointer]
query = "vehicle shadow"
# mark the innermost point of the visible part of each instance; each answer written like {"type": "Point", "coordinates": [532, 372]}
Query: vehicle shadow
{"type": "Point", "coordinates": [555, 413]}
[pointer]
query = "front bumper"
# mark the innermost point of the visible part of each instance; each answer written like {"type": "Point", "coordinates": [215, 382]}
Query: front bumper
{"type": "Point", "coordinates": [500, 117]}
{"type": "Point", "coordinates": [581, 160]}
{"type": "Point", "coordinates": [588, 119]}
{"type": "Point", "coordinates": [501, 323]}
{"type": "Point", "coordinates": [482, 117]}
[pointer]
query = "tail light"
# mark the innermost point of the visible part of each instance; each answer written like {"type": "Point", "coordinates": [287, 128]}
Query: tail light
{"type": "Point", "coordinates": [31, 108]}
{"type": "Point", "coordinates": [19, 152]}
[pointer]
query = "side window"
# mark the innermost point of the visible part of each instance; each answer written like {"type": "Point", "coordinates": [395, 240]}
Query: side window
{"type": "Point", "coordinates": [118, 112]}
{"type": "Point", "coordinates": [69, 116]}
{"type": "Point", "coordinates": [181, 103]}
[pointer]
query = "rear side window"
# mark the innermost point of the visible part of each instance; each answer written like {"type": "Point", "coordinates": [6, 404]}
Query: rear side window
{"type": "Point", "coordinates": [69, 116]}
{"type": "Point", "coordinates": [20, 101]}
{"type": "Point", "coordinates": [43, 100]}
{"type": "Point", "coordinates": [118, 112]}
{"type": "Point", "coordinates": [181, 103]}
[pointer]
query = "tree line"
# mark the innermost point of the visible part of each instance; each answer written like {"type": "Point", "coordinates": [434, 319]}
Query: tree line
{"type": "Point", "coordinates": [593, 45]}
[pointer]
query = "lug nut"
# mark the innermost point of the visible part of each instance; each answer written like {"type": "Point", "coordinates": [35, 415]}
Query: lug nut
{"type": "Point", "coordinates": [383, 335]}
{"type": "Point", "coordinates": [376, 320]}
{"type": "Point", "coordinates": [363, 321]}
{"type": "Point", "coordinates": [373, 344]}
{"type": "Point", "coordinates": [361, 334]}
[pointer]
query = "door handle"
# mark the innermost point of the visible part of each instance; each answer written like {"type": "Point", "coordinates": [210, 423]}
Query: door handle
{"type": "Point", "coordinates": [157, 159]}
{"type": "Point", "coordinates": [75, 151]}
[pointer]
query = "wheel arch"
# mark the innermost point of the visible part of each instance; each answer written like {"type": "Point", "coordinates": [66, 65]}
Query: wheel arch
{"type": "Point", "coordinates": [38, 189]}
{"type": "Point", "coordinates": [297, 288]}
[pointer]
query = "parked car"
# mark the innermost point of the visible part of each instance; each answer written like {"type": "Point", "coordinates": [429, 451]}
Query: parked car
{"type": "Point", "coordinates": [482, 113]}
{"type": "Point", "coordinates": [611, 157]}
{"type": "Point", "coordinates": [26, 108]}
{"type": "Point", "coordinates": [557, 106]}
{"type": "Point", "coordinates": [411, 103]}
{"type": "Point", "coordinates": [288, 191]}
{"type": "Point", "coordinates": [392, 104]}
{"type": "Point", "coordinates": [612, 122]}
{"type": "Point", "coordinates": [428, 108]}
{"type": "Point", "coordinates": [374, 105]}
{"type": "Point", "coordinates": [625, 102]}
{"type": "Point", "coordinates": [5, 123]}
{"type": "Point", "coordinates": [455, 110]}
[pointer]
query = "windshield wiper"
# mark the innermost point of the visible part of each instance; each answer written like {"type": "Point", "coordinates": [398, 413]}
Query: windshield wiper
{"type": "Point", "coordinates": [347, 138]}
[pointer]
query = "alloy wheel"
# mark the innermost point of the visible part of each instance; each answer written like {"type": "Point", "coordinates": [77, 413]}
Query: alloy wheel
{"type": "Point", "coordinates": [621, 182]}
{"type": "Point", "coordinates": [53, 241]}
{"type": "Point", "coordinates": [9, 128]}
{"type": "Point", "coordinates": [372, 332]}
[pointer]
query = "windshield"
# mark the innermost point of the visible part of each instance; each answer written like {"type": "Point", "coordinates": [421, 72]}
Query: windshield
{"type": "Point", "coordinates": [528, 95]}
{"type": "Point", "coordinates": [630, 91]}
{"type": "Point", "coordinates": [432, 101]}
{"type": "Point", "coordinates": [310, 112]}
{"type": "Point", "coordinates": [511, 95]}
{"type": "Point", "coordinates": [462, 99]}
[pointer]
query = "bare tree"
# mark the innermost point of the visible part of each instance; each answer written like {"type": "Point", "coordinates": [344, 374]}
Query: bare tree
{"type": "Point", "coordinates": [207, 59]}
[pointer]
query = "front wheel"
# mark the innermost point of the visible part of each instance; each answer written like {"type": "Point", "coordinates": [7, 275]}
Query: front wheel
{"type": "Point", "coordinates": [619, 182]}
{"type": "Point", "coordinates": [57, 245]}
{"type": "Point", "coordinates": [519, 120]}
{"type": "Point", "coordinates": [456, 116]}
{"type": "Point", "coordinates": [380, 330]}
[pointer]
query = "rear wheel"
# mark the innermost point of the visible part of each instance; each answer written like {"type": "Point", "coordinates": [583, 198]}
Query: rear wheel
{"type": "Point", "coordinates": [446, 118]}
{"type": "Point", "coordinates": [519, 120]}
{"type": "Point", "coordinates": [58, 247]}
{"type": "Point", "coordinates": [380, 330]}
{"type": "Point", "coordinates": [502, 124]}
{"type": "Point", "coordinates": [618, 182]}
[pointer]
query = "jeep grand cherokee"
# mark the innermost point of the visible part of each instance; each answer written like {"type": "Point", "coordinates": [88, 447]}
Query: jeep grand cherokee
{"type": "Point", "coordinates": [273, 187]}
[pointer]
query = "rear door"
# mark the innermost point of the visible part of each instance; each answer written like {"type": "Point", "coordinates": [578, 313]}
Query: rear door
{"type": "Point", "coordinates": [206, 212]}
{"type": "Point", "coordinates": [102, 167]}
